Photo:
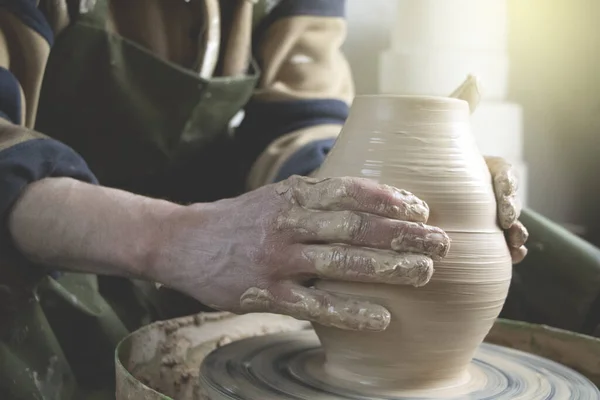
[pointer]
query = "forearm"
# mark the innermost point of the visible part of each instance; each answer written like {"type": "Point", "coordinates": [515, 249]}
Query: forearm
{"type": "Point", "coordinates": [66, 224]}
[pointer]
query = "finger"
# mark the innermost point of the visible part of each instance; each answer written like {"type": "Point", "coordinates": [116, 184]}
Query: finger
{"type": "Point", "coordinates": [517, 235]}
{"type": "Point", "coordinates": [518, 255]}
{"type": "Point", "coordinates": [365, 230]}
{"type": "Point", "coordinates": [316, 306]}
{"type": "Point", "coordinates": [357, 194]}
{"type": "Point", "coordinates": [506, 186]}
{"type": "Point", "coordinates": [509, 210]}
{"type": "Point", "coordinates": [362, 265]}
{"type": "Point", "coordinates": [504, 178]}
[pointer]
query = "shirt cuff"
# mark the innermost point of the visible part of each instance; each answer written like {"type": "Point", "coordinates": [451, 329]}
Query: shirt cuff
{"type": "Point", "coordinates": [28, 162]}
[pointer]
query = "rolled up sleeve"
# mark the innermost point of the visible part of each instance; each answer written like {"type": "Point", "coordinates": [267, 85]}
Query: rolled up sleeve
{"type": "Point", "coordinates": [26, 156]}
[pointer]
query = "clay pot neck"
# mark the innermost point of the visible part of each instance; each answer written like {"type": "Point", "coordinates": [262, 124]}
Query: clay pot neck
{"type": "Point", "coordinates": [408, 114]}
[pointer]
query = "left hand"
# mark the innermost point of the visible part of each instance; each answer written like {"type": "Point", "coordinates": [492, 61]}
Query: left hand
{"type": "Point", "coordinates": [509, 209]}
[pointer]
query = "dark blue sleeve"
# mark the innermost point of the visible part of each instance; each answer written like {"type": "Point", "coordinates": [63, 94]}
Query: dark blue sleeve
{"type": "Point", "coordinates": [27, 11]}
{"type": "Point", "coordinates": [267, 121]}
{"type": "Point", "coordinates": [30, 161]}
{"type": "Point", "coordinates": [24, 158]}
{"type": "Point", "coordinates": [33, 160]}
{"type": "Point", "coordinates": [306, 160]}
{"type": "Point", "coordinates": [10, 97]}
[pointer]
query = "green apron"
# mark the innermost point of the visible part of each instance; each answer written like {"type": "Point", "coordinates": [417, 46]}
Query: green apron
{"type": "Point", "coordinates": [142, 124]}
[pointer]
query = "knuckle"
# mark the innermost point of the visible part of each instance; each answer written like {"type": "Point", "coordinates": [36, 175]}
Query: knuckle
{"type": "Point", "coordinates": [282, 222]}
{"type": "Point", "coordinates": [405, 229]}
{"type": "Point", "coordinates": [294, 180]}
{"type": "Point", "coordinates": [386, 196]}
{"type": "Point", "coordinates": [317, 302]}
{"type": "Point", "coordinates": [345, 187]}
{"type": "Point", "coordinates": [339, 256]}
{"type": "Point", "coordinates": [288, 189]}
{"type": "Point", "coordinates": [355, 225]}
{"type": "Point", "coordinates": [365, 265]}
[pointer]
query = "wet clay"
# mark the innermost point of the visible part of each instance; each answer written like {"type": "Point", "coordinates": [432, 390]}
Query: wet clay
{"type": "Point", "coordinates": [327, 309]}
{"type": "Point", "coordinates": [335, 195]}
{"type": "Point", "coordinates": [179, 346]}
{"type": "Point", "coordinates": [422, 145]}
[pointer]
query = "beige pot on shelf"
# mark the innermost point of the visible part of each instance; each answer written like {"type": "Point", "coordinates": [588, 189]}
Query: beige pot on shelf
{"type": "Point", "coordinates": [424, 145]}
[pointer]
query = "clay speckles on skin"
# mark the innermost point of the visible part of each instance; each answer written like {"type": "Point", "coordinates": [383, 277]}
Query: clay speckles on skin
{"type": "Point", "coordinates": [505, 188]}
{"type": "Point", "coordinates": [324, 309]}
{"type": "Point", "coordinates": [366, 265]}
{"type": "Point", "coordinates": [337, 225]}
{"type": "Point", "coordinates": [365, 230]}
{"type": "Point", "coordinates": [509, 208]}
{"type": "Point", "coordinates": [319, 193]}
{"type": "Point", "coordinates": [338, 194]}
{"type": "Point", "coordinates": [436, 244]}
{"type": "Point", "coordinates": [414, 208]}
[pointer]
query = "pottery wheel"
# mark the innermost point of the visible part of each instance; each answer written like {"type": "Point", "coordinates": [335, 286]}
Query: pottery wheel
{"type": "Point", "coordinates": [290, 366]}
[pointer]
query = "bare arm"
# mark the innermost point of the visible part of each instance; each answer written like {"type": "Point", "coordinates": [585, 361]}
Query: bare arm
{"type": "Point", "coordinates": [71, 225]}
{"type": "Point", "coordinates": [254, 253]}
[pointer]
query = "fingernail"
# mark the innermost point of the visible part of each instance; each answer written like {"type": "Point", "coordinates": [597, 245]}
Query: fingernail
{"type": "Point", "coordinates": [414, 208]}
{"type": "Point", "coordinates": [422, 272]}
{"type": "Point", "coordinates": [417, 212]}
{"type": "Point", "coordinates": [378, 319]}
{"type": "Point", "coordinates": [441, 241]}
{"type": "Point", "coordinates": [406, 269]}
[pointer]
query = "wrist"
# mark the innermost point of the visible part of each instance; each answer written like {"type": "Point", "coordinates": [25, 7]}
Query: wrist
{"type": "Point", "coordinates": [168, 245]}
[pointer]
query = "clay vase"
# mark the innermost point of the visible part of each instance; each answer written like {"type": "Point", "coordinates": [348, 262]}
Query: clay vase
{"type": "Point", "coordinates": [423, 145]}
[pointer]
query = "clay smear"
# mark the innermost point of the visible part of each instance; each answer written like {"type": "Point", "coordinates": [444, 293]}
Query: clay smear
{"type": "Point", "coordinates": [312, 305]}
{"type": "Point", "coordinates": [340, 194]}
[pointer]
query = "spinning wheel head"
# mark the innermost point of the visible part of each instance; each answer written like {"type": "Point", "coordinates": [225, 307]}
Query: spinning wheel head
{"type": "Point", "coordinates": [291, 366]}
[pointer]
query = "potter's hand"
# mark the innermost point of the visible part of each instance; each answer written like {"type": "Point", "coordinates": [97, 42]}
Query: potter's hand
{"type": "Point", "coordinates": [505, 187]}
{"type": "Point", "coordinates": [260, 251]}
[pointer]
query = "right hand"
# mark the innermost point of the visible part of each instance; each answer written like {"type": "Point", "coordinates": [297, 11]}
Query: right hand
{"type": "Point", "coordinates": [259, 252]}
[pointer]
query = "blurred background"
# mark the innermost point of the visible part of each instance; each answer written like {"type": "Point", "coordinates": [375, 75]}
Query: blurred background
{"type": "Point", "coordinates": [538, 61]}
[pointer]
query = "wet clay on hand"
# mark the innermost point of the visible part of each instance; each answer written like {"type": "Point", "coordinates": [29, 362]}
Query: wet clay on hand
{"type": "Point", "coordinates": [422, 145]}
{"type": "Point", "coordinates": [260, 252]}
